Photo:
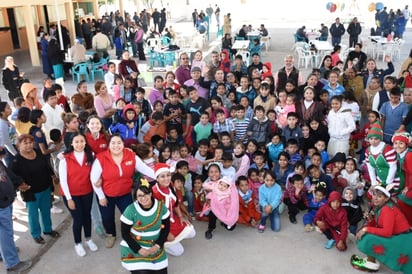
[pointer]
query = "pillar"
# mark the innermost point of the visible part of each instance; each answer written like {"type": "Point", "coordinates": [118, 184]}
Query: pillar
{"type": "Point", "coordinates": [121, 9]}
{"type": "Point", "coordinates": [68, 7]}
{"type": "Point", "coordinates": [31, 36]}
{"type": "Point", "coordinates": [95, 9]}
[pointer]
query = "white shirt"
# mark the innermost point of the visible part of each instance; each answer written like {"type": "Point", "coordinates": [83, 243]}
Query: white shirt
{"type": "Point", "coordinates": [54, 119]}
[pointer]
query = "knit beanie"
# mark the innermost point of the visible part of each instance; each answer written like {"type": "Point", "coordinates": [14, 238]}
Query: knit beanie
{"type": "Point", "coordinates": [401, 136]}
{"type": "Point", "coordinates": [375, 131]}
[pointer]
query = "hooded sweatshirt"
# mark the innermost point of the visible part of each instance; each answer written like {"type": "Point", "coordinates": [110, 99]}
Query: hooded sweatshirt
{"type": "Point", "coordinates": [353, 209]}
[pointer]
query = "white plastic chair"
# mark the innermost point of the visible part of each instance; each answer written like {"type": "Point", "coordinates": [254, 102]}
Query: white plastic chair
{"type": "Point", "coordinates": [304, 57]}
{"type": "Point", "coordinates": [245, 57]}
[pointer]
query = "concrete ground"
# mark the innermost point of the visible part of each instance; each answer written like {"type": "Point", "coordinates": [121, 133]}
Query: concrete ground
{"type": "Point", "coordinates": [242, 251]}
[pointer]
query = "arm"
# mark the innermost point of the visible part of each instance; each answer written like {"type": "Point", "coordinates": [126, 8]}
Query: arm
{"type": "Point", "coordinates": [5, 138]}
{"type": "Point", "coordinates": [388, 221]}
{"type": "Point", "coordinates": [277, 199]}
{"type": "Point", "coordinates": [126, 235]}
{"type": "Point", "coordinates": [143, 168]}
{"type": "Point", "coordinates": [95, 175]}
{"type": "Point", "coordinates": [244, 166]}
{"type": "Point", "coordinates": [63, 179]}
{"type": "Point", "coordinates": [188, 123]}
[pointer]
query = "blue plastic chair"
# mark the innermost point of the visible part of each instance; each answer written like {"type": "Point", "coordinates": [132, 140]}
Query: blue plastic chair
{"type": "Point", "coordinates": [299, 38]}
{"type": "Point", "coordinates": [97, 68]}
{"type": "Point", "coordinates": [239, 37]}
{"type": "Point", "coordinates": [155, 57]}
{"type": "Point", "coordinates": [79, 70]}
{"type": "Point", "coordinates": [58, 71]}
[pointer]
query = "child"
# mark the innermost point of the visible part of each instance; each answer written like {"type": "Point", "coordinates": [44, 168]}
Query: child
{"type": "Point", "coordinates": [118, 115]}
{"type": "Point", "coordinates": [275, 147]}
{"type": "Point", "coordinates": [198, 60]}
{"type": "Point", "coordinates": [259, 161]}
{"type": "Point", "coordinates": [333, 169]}
{"type": "Point", "coordinates": [182, 167]}
{"type": "Point", "coordinates": [227, 168]}
{"type": "Point", "coordinates": [245, 90]}
{"type": "Point", "coordinates": [203, 128]}
{"type": "Point", "coordinates": [221, 93]}
{"type": "Point", "coordinates": [224, 204]}
{"type": "Point", "coordinates": [273, 127]}
{"type": "Point", "coordinates": [319, 178]}
{"type": "Point", "coordinates": [341, 124]}
{"type": "Point", "coordinates": [154, 126]}
{"type": "Point", "coordinates": [164, 153]}
{"type": "Point", "coordinates": [249, 112]}
{"type": "Point", "coordinates": [295, 197]}
{"type": "Point", "coordinates": [186, 155]}
{"type": "Point", "coordinates": [157, 142]}
{"type": "Point", "coordinates": [175, 156]}
{"type": "Point", "coordinates": [320, 145]}
{"type": "Point", "coordinates": [299, 168]}
{"type": "Point", "coordinates": [223, 125]}
{"type": "Point", "coordinates": [318, 130]}
{"type": "Point", "coordinates": [156, 94]}
{"type": "Point", "coordinates": [213, 143]}
{"type": "Point", "coordinates": [248, 214]}
{"type": "Point", "coordinates": [18, 103]}
{"type": "Point", "coordinates": [145, 152]}
{"type": "Point", "coordinates": [199, 198]}
{"type": "Point", "coordinates": [251, 148]}
{"type": "Point", "coordinates": [217, 104]}
{"type": "Point", "coordinates": [118, 86]}
{"type": "Point", "coordinates": [226, 141]}
{"type": "Point", "coordinates": [280, 112]}
{"type": "Point", "coordinates": [306, 141]}
{"type": "Point", "coordinates": [118, 44]}
{"type": "Point", "coordinates": [292, 130]}
{"type": "Point", "coordinates": [146, 107]}
{"type": "Point", "coordinates": [202, 156]}
{"type": "Point", "coordinates": [332, 220]}
{"type": "Point", "coordinates": [174, 112]}
{"type": "Point", "coordinates": [353, 178]}
{"type": "Point", "coordinates": [173, 137]}
{"type": "Point", "coordinates": [283, 169]}
{"type": "Point", "coordinates": [129, 127]}
{"type": "Point", "coordinates": [264, 98]}
{"type": "Point", "coordinates": [258, 128]}
{"type": "Point", "coordinates": [225, 61]}
{"type": "Point", "coordinates": [109, 77]}
{"type": "Point", "coordinates": [61, 99]}
{"type": "Point", "coordinates": [316, 199]}
{"type": "Point", "coordinates": [353, 209]}
{"type": "Point", "coordinates": [184, 96]}
{"type": "Point", "coordinates": [292, 149]}
{"type": "Point", "coordinates": [254, 183]}
{"type": "Point", "coordinates": [324, 99]}
{"type": "Point", "coordinates": [240, 160]}
{"type": "Point", "coordinates": [178, 185]}
{"type": "Point", "coordinates": [270, 195]}
{"type": "Point", "coordinates": [241, 123]}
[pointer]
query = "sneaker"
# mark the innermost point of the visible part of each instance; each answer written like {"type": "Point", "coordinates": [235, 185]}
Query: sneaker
{"type": "Point", "coordinates": [329, 244]}
{"type": "Point", "coordinates": [99, 231]}
{"type": "Point", "coordinates": [92, 246]}
{"type": "Point", "coordinates": [363, 264]}
{"type": "Point", "coordinates": [53, 234]}
{"type": "Point", "coordinates": [308, 228]}
{"type": "Point", "coordinates": [56, 210]}
{"type": "Point", "coordinates": [80, 250]}
{"type": "Point", "coordinates": [318, 229]}
{"type": "Point", "coordinates": [110, 240]}
{"type": "Point", "coordinates": [292, 219]}
{"type": "Point", "coordinates": [20, 267]}
{"type": "Point", "coordinates": [261, 228]}
{"type": "Point", "coordinates": [208, 234]}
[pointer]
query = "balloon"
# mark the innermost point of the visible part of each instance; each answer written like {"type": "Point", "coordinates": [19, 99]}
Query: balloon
{"type": "Point", "coordinates": [337, 5]}
{"type": "Point", "coordinates": [333, 8]}
{"type": "Point", "coordinates": [379, 6]}
{"type": "Point", "coordinates": [328, 5]}
{"type": "Point", "coordinates": [342, 7]}
{"type": "Point", "coordinates": [371, 7]}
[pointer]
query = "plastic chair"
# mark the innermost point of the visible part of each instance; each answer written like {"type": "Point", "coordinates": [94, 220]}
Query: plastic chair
{"type": "Point", "coordinates": [97, 68]}
{"type": "Point", "coordinates": [58, 71]}
{"type": "Point", "coordinates": [323, 38]}
{"type": "Point", "coordinates": [155, 57]}
{"type": "Point", "coordinates": [219, 32]}
{"type": "Point", "coordinates": [305, 58]}
{"type": "Point", "coordinates": [239, 37]}
{"type": "Point", "coordinates": [299, 38]}
{"type": "Point", "coordinates": [245, 57]}
{"type": "Point", "coordinates": [79, 70]}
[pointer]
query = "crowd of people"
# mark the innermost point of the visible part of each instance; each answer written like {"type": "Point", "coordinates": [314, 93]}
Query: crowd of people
{"type": "Point", "coordinates": [215, 141]}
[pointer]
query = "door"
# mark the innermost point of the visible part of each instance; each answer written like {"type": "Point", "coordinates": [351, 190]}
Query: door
{"type": "Point", "coordinates": [13, 28]}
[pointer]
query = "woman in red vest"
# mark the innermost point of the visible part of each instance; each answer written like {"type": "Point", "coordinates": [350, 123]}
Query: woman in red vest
{"type": "Point", "coordinates": [74, 173]}
{"type": "Point", "coordinates": [111, 177]}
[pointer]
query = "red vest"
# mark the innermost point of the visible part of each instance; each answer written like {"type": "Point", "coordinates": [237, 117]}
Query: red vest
{"type": "Point", "coordinates": [114, 183]}
{"type": "Point", "coordinates": [78, 176]}
{"type": "Point", "coordinates": [98, 145]}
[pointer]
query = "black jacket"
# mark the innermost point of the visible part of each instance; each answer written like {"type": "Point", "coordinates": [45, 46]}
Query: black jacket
{"type": "Point", "coordinates": [8, 184]}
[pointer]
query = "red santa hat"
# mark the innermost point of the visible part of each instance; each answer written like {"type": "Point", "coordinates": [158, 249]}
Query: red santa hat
{"type": "Point", "coordinates": [401, 136]}
{"type": "Point", "coordinates": [160, 168]}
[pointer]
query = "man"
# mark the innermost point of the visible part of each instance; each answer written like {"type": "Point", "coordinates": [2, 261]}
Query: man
{"type": "Point", "coordinates": [183, 71]}
{"type": "Point", "coordinates": [107, 29]}
{"type": "Point", "coordinates": [358, 57]}
{"type": "Point", "coordinates": [100, 43]}
{"type": "Point", "coordinates": [263, 31]}
{"type": "Point", "coordinates": [87, 33]}
{"type": "Point", "coordinates": [406, 14]}
{"type": "Point", "coordinates": [217, 14]}
{"type": "Point", "coordinates": [156, 19]}
{"type": "Point", "coordinates": [354, 30]}
{"type": "Point", "coordinates": [350, 81]}
{"type": "Point", "coordinates": [214, 64]}
{"type": "Point", "coordinates": [8, 251]}
{"type": "Point", "coordinates": [256, 63]}
{"type": "Point", "coordinates": [289, 71]}
{"type": "Point", "coordinates": [324, 32]}
{"type": "Point", "coordinates": [336, 31]}
{"type": "Point", "coordinates": [194, 17]}
{"type": "Point", "coordinates": [78, 52]}
{"type": "Point", "coordinates": [301, 33]}
{"type": "Point", "coordinates": [196, 73]}
{"type": "Point", "coordinates": [209, 12]}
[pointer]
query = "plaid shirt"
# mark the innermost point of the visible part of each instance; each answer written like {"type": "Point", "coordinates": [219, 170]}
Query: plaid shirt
{"type": "Point", "coordinates": [227, 126]}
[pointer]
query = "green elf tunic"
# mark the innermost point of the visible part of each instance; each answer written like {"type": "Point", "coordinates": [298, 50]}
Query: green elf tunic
{"type": "Point", "coordinates": [385, 239]}
{"type": "Point", "coordinates": [146, 227]}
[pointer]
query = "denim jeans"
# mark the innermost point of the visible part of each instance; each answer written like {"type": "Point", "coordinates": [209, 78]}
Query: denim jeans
{"type": "Point", "coordinates": [42, 204]}
{"type": "Point", "coordinates": [8, 250]}
{"type": "Point", "coordinates": [108, 211]}
{"type": "Point", "coordinates": [95, 213]}
{"type": "Point", "coordinates": [81, 216]}
{"type": "Point", "coordinates": [189, 198]}
{"type": "Point", "coordinates": [274, 218]}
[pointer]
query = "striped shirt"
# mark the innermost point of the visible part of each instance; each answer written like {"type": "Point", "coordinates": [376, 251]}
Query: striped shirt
{"type": "Point", "coordinates": [240, 128]}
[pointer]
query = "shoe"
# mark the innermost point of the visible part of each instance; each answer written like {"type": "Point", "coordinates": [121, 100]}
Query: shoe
{"type": "Point", "coordinates": [99, 231]}
{"type": "Point", "coordinates": [329, 244]}
{"type": "Point", "coordinates": [53, 234]}
{"type": "Point", "coordinates": [39, 240]}
{"type": "Point", "coordinates": [261, 228]}
{"type": "Point", "coordinates": [292, 219]}
{"type": "Point", "coordinates": [80, 250]}
{"type": "Point", "coordinates": [56, 210]}
{"type": "Point", "coordinates": [20, 267]}
{"type": "Point", "coordinates": [110, 240]}
{"type": "Point", "coordinates": [318, 229]}
{"type": "Point", "coordinates": [92, 246]}
{"type": "Point", "coordinates": [363, 264]}
{"type": "Point", "coordinates": [208, 234]}
{"type": "Point", "coordinates": [308, 228]}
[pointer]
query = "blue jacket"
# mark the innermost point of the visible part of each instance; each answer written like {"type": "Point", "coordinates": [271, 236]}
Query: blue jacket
{"type": "Point", "coordinates": [270, 195]}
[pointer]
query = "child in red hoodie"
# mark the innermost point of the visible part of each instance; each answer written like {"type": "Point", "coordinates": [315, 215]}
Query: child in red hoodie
{"type": "Point", "coordinates": [332, 220]}
{"type": "Point", "coordinates": [248, 215]}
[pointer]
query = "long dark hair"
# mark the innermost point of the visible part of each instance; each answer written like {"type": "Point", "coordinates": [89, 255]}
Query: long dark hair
{"type": "Point", "coordinates": [87, 150]}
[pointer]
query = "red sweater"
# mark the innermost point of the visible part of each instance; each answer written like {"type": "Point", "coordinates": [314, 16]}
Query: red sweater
{"type": "Point", "coordinates": [98, 145]}
{"type": "Point", "coordinates": [114, 183]}
{"type": "Point", "coordinates": [78, 176]}
{"type": "Point", "coordinates": [390, 222]}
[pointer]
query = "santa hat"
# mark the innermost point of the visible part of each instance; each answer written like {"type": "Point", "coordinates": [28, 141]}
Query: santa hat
{"type": "Point", "coordinates": [401, 136]}
{"type": "Point", "coordinates": [160, 168]}
{"type": "Point", "coordinates": [375, 131]}
{"type": "Point", "coordinates": [385, 190]}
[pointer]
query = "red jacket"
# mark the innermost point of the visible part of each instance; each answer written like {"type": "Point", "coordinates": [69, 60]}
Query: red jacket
{"type": "Point", "coordinates": [97, 145]}
{"type": "Point", "coordinates": [114, 183]}
{"type": "Point", "coordinates": [390, 221]}
{"type": "Point", "coordinates": [247, 211]}
{"type": "Point", "coordinates": [78, 176]}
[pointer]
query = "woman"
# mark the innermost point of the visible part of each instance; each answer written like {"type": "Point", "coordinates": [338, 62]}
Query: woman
{"type": "Point", "coordinates": [74, 175]}
{"type": "Point", "coordinates": [22, 124]}
{"type": "Point", "coordinates": [335, 55]}
{"type": "Point", "coordinates": [400, 141]}
{"type": "Point", "coordinates": [180, 228]}
{"type": "Point", "coordinates": [111, 178]}
{"type": "Point", "coordinates": [372, 70]}
{"type": "Point", "coordinates": [385, 237]}
{"type": "Point", "coordinates": [82, 100]}
{"type": "Point", "coordinates": [96, 135]}
{"type": "Point", "coordinates": [307, 108]}
{"type": "Point", "coordinates": [12, 78]}
{"type": "Point", "coordinates": [148, 220]}
{"type": "Point", "coordinates": [325, 66]}
{"type": "Point", "coordinates": [34, 168]}
{"type": "Point", "coordinates": [44, 43]}
{"type": "Point", "coordinates": [103, 103]}
{"type": "Point", "coordinates": [128, 67]}
{"type": "Point", "coordinates": [170, 81]}
{"type": "Point", "coordinates": [313, 81]}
